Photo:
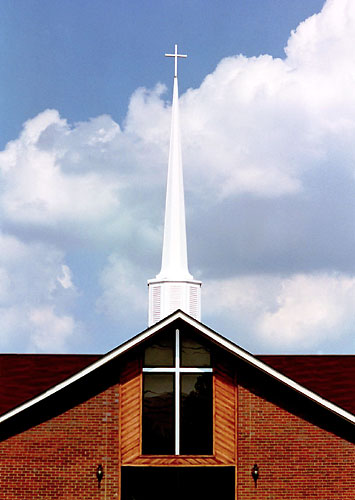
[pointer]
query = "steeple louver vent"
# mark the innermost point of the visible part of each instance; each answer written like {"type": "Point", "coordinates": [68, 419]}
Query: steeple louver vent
{"type": "Point", "coordinates": [155, 303]}
{"type": "Point", "coordinates": [194, 302]}
{"type": "Point", "coordinates": [175, 297]}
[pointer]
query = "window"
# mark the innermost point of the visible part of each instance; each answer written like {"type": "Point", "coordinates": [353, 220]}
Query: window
{"type": "Point", "coordinates": [177, 396]}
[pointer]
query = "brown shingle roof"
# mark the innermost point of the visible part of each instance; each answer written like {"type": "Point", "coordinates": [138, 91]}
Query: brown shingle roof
{"type": "Point", "coordinates": [330, 376]}
{"type": "Point", "coordinates": [23, 376]}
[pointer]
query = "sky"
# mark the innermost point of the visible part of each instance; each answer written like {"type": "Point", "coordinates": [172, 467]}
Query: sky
{"type": "Point", "coordinates": [267, 104]}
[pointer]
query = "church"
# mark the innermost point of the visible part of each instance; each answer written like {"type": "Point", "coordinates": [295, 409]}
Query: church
{"type": "Point", "coordinates": [178, 411]}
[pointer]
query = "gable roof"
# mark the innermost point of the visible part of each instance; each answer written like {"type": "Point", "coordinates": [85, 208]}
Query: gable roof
{"type": "Point", "coordinates": [214, 337]}
{"type": "Point", "coordinates": [24, 376]}
{"type": "Point", "coordinates": [328, 375]}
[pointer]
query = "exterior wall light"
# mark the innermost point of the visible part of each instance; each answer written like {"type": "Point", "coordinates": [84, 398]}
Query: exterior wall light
{"type": "Point", "coordinates": [255, 474]}
{"type": "Point", "coordinates": [99, 474]}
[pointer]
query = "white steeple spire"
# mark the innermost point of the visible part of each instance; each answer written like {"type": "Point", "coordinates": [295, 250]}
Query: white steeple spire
{"type": "Point", "coordinates": [174, 259]}
{"type": "Point", "coordinates": [174, 287]}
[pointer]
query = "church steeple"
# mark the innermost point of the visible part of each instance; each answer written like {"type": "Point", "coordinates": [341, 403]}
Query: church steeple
{"type": "Point", "coordinates": [174, 259]}
{"type": "Point", "coordinates": [174, 287]}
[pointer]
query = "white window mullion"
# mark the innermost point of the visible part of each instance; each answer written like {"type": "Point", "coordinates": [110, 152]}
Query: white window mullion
{"type": "Point", "coordinates": [195, 370]}
{"type": "Point", "coordinates": [177, 393]}
{"type": "Point", "coordinates": [159, 370]}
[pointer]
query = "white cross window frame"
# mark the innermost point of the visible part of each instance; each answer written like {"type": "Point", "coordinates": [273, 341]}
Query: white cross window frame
{"type": "Point", "coordinates": [177, 370]}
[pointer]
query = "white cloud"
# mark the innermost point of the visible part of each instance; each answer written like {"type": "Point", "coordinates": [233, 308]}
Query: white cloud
{"type": "Point", "coordinates": [124, 292]}
{"type": "Point", "coordinates": [66, 278]}
{"type": "Point", "coordinates": [269, 141]}
{"type": "Point", "coordinates": [34, 282]}
{"type": "Point", "coordinates": [258, 125]}
{"type": "Point", "coordinates": [324, 41]}
{"type": "Point", "coordinates": [38, 189]}
{"type": "Point", "coordinates": [14, 329]}
{"type": "Point", "coordinates": [309, 309]}
{"type": "Point", "coordinates": [150, 126]}
{"type": "Point", "coordinates": [292, 313]}
{"type": "Point", "coordinates": [255, 125]}
{"type": "Point", "coordinates": [50, 332]}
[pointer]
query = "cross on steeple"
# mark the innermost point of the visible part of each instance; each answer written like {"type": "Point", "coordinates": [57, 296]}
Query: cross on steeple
{"type": "Point", "coordinates": [176, 55]}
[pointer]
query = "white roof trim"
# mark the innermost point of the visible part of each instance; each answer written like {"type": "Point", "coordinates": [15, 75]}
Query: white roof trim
{"type": "Point", "coordinates": [246, 356]}
{"type": "Point", "coordinates": [215, 337]}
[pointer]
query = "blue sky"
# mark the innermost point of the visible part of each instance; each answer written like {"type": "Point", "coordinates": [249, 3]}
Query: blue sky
{"type": "Point", "coordinates": [268, 116]}
{"type": "Point", "coordinates": [86, 58]}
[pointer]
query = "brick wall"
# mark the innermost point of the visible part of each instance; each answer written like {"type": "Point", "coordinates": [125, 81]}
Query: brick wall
{"type": "Point", "coordinates": [57, 459]}
{"type": "Point", "coordinates": [299, 453]}
{"type": "Point", "coordinates": [297, 459]}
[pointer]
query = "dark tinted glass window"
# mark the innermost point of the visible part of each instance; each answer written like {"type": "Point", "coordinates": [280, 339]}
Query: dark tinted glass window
{"type": "Point", "coordinates": [158, 414]}
{"type": "Point", "coordinates": [193, 353]}
{"type": "Point", "coordinates": [196, 433]}
{"type": "Point", "coordinates": [177, 483]}
{"type": "Point", "coordinates": [161, 352]}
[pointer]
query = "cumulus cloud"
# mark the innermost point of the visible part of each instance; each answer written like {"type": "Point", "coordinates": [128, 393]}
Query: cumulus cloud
{"type": "Point", "coordinates": [269, 156]}
{"type": "Point", "coordinates": [35, 287]}
{"type": "Point", "coordinates": [50, 331]}
{"type": "Point", "coordinates": [261, 124]}
{"type": "Point", "coordinates": [308, 309]}
{"type": "Point", "coordinates": [124, 292]}
{"type": "Point", "coordinates": [293, 314]}
{"type": "Point", "coordinates": [36, 187]}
